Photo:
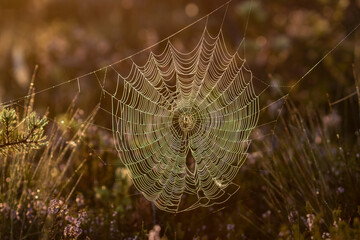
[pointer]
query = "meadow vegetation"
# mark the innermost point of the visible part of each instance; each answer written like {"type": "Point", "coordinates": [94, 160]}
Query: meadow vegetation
{"type": "Point", "coordinates": [301, 183]}
{"type": "Point", "coordinates": [61, 177]}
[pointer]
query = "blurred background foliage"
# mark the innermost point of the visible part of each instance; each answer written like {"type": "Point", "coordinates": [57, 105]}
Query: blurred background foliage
{"type": "Point", "coordinates": [284, 39]}
{"type": "Point", "coordinates": [70, 38]}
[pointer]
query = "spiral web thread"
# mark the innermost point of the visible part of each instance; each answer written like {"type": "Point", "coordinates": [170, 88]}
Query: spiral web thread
{"type": "Point", "coordinates": [181, 122]}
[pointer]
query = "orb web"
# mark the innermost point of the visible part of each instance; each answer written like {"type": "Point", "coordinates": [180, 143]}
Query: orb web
{"type": "Point", "coordinates": [181, 123]}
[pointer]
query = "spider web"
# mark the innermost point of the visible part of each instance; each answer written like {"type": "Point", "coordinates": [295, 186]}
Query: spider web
{"type": "Point", "coordinates": [182, 122]}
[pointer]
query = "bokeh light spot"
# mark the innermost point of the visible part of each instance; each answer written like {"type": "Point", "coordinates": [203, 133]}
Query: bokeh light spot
{"type": "Point", "coordinates": [261, 41]}
{"type": "Point", "coordinates": [191, 10]}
